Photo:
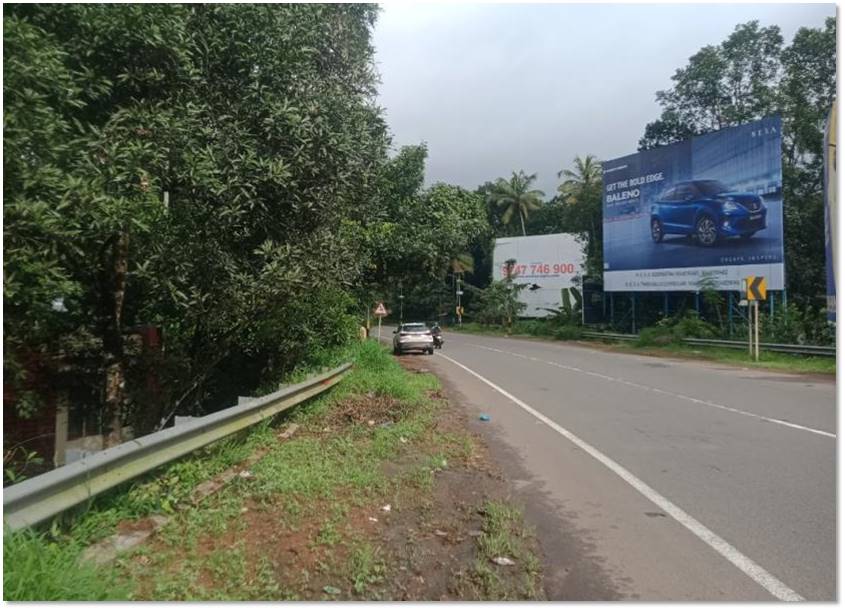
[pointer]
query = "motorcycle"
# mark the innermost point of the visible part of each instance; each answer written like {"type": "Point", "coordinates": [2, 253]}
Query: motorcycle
{"type": "Point", "coordinates": [438, 341]}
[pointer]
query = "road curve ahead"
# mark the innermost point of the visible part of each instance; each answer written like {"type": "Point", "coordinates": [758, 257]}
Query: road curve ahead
{"type": "Point", "coordinates": [659, 479]}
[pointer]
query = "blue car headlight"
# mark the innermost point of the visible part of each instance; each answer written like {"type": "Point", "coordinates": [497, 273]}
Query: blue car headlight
{"type": "Point", "coordinates": [729, 206]}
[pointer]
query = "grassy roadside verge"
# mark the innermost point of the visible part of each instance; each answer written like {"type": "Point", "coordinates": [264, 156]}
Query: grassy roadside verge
{"type": "Point", "coordinates": [768, 360]}
{"type": "Point", "coordinates": [379, 484]}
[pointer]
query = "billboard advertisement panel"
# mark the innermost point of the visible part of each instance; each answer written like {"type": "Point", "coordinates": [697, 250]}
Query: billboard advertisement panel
{"type": "Point", "coordinates": [546, 263]}
{"type": "Point", "coordinates": [709, 209]}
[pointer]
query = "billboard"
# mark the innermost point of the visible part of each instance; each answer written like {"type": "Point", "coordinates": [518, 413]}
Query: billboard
{"type": "Point", "coordinates": [709, 209]}
{"type": "Point", "coordinates": [547, 263]}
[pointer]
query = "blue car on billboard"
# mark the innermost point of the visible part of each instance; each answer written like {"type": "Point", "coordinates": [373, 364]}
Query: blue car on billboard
{"type": "Point", "coordinates": [707, 210]}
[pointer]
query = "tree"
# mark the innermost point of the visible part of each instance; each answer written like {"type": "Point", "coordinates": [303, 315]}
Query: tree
{"type": "Point", "coordinates": [580, 207]}
{"type": "Point", "coordinates": [751, 75]}
{"type": "Point", "coordinates": [722, 85]}
{"type": "Point", "coordinates": [498, 303]}
{"type": "Point", "coordinates": [514, 198]}
{"type": "Point", "coordinates": [207, 169]}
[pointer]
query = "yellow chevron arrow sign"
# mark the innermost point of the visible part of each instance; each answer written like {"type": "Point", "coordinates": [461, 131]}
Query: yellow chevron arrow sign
{"type": "Point", "coordinates": [755, 288]}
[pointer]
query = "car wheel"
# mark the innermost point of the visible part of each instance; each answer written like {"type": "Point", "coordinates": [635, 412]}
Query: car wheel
{"type": "Point", "coordinates": [747, 235]}
{"type": "Point", "coordinates": [705, 231]}
{"type": "Point", "coordinates": [430, 351]}
{"type": "Point", "coordinates": [656, 231]}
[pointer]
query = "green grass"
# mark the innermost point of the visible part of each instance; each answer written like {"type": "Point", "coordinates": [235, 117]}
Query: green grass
{"type": "Point", "coordinates": [366, 567]}
{"type": "Point", "coordinates": [334, 471]}
{"type": "Point", "coordinates": [201, 553]}
{"type": "Point", "coordinates": [768, 360]}
{"type": "Point", "coordinates": [35, 568]}
{"type": "Point", "coordinates": [504, 534]}
{"type": "Point", "coordinates": [44, 566]}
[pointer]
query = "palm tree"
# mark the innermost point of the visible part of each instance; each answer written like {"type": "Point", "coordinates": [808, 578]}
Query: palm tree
{"type": "Point", "coordinates": [581, 193]}
{"type": "Point", "coordinates": [514, 197]}
{"type": "Point", "coordinates": [581, 182]}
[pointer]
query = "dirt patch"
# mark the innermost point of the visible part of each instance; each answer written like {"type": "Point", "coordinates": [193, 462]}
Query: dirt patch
{"type": "Point", "coordinates": [370, 409]}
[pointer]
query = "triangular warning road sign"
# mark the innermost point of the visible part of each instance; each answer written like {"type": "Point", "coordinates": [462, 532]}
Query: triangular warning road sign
{"type": "Point", "coordinates": [380, 310]}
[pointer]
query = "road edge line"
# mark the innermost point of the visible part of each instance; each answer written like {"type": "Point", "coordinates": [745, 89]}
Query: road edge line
{"type": "Point", "coordinates": [747, 565]}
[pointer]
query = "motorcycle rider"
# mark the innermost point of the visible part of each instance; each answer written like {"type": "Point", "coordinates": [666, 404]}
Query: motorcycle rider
{"type": "Point", "coordinates": [437, 334]}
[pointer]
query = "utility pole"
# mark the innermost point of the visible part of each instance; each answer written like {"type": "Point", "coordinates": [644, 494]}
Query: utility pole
{"type": "Point", "coordinates": [458, 293]}
{"type": "Point", "coordinates": [509, 264]}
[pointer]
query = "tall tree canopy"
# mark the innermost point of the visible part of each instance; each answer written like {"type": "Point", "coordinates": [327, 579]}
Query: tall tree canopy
{"type": "Point", "coordinates": [750, 75]}
{"type": "Point", "coordinates": [203, 168]}
{"type": "Point", "coordinates": [580, 196]}
{"type": "Point", "coordinates": [515, 199]}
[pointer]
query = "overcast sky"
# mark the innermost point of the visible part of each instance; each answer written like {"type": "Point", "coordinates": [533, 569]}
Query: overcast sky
{"type": "Point", "coordinates": [500, 87]}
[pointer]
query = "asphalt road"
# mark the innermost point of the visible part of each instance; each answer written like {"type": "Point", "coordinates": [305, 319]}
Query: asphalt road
{"type": "Point", "coordinates": [659, 479]}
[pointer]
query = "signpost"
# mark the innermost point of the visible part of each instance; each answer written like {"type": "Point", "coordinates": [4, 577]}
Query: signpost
{"type": "Point", "coordinates": [380, 312]}
{"type": "Point", "coordinates": [755, 291]}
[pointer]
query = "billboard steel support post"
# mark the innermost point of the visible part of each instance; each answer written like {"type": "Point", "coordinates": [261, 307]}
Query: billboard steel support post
{"type": "Point", "coordinates": [612, 317]}
{"type": "Point", "coordinates": [633, 313]}
{"type": "Point", "coordinates": [750, 333]}
{"type": "Point", "coordinates": [731, 314]}
{"type": "Point", "coordinates": [697, 308]}
{"type": "Point", "coordinates": [666, 304]}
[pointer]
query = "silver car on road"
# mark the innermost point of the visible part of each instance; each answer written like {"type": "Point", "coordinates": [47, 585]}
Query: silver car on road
{"type": "Point", "coordinates": [413, 336]}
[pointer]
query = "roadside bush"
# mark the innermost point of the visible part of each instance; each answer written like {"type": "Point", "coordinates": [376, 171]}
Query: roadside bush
{"type": "Point", "coordinates": [568, 333]}
{"type": "Point", "coordinates": [535, 328]}
{"type": "Point", "coordinates": [674, 330]}
{"type": "Point", "coordinates": [691, 325]}
{"type": "Point", "coordinates": [802, 326]}
{"type": "Point", "coordinates": [656, 335]}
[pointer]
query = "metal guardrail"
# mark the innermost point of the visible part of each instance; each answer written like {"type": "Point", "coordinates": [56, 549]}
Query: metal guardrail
{"type": "Point", "coordinates": [613, 336]}
{"type": "Point", "coordinates": [804, 350]}
{"type": "Point", "coordinates": [39, 498]}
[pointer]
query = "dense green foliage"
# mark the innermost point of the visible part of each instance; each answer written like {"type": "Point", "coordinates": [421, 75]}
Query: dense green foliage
{"type": "Point", "coordinates": [420, 236]}
{"type": "Point", "coordinates": [202, 168]}
{"type": "Point", "coordinates": [219, 172]}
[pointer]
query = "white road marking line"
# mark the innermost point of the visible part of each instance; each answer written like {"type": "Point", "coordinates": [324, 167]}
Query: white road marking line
{"type": "Point", "coordinates": [639, 386]}
{"type": "Point", "coordinates": [751, 569]}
